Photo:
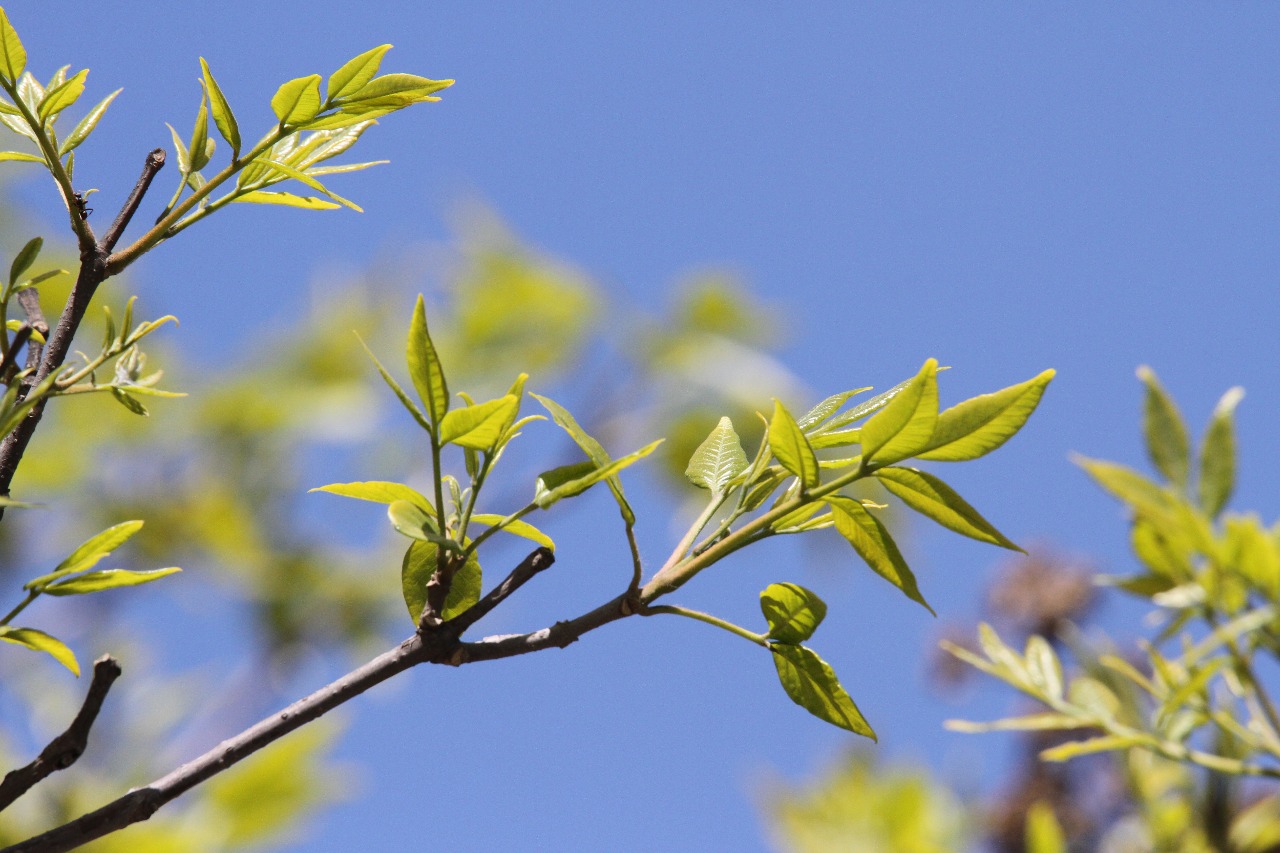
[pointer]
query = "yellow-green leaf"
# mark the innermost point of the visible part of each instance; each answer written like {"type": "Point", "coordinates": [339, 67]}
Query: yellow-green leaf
{"type": "Point", "coordinates": [480, 427]}
{"type": "Point", "coordinates": [200, 150]}
{"type": "Point", "coordinates": [594, 450]}
{"type": "Point", "coordinates": [85, 126]}
{"type": "Point", "coordinates": [545, 497]}
{"type": "Point", "coordinates": [812, 684]}
{"type": "Point", "coordinates": [40, 641]}
{"type": "Point", "coordinates": [718, 459]}
{"type": "Point", "coordinates": [20, 157]}
{"type": "Point", "coordinates": [222, 115]}
{"type": "Point", "coordinates": [874, 544]}
{"type": "Point", "coordinates": [424, 366]}
{"type": "Point", "coordinates": [979, 425]}
{"type": "Point", "coordinates": [1168, 444]}
{"type": "Point", "coordinates": [355, 73]}
{"type": "Point", "coordinates": [419, 565]}
{"type": "Point", "coordinates": [1218, 455]}
{"type": "Point", "coordinates": [516, 527]}
{"type": "Point", "coordinates": [1043, 833]}
{"type": "Point", "coordinates": [793, 612]}
{"type": "Point", "coordinates": [287, 199]}
{"type": "Point", "coordinates": [13, 56]}
{"type": "Point", "coordinates": [791, 448]}
{"type": "Point", "coordinates": [934, 499]}
{"type": "Point", "coordinates": [378, 491]}
{"type": "Point", "coordinates": [297, 101]}
{"type": "Point", "coordinates": [106, 579]}
{"type": "Point", "coordinates": [62, 96]}
{"type": "Point", "coordinates": [90, 552]}
{"type": "Point", "coordinates": [903, 427]}
{"type": "Point", "coordinates": [303, 178]}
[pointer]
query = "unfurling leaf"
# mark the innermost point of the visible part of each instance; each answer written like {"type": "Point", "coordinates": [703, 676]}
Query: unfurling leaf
{"type": "Point", "coordinates": [979, 425]}
{"type": "Point", "coordinates": [1168, 444]}
{"type": "Point", "coordinates": [903, 427]}
{"type": "Point", "coordinates": [222, 115]}
{"type": "Point", "coordinates": [812, 684]}
{"type": "Point", "coordinates": [482, 426]}
{"type": "Point", "coordinates": [419, 565]}
{"type": "Point", "coordinates": [934, 499]}
{"type": "Point", "coordinates": [1218, 455]}
{"type": "Point", "coordinates": [39, 640]}
{"type": "Point", "coordinates": [874, 544]}
{"type": "Point", "coordinates": [791, 448]}
{"type": "Point", "coordinates": [424, 366]}
{"type": "Point", "coordinates": [718, 459]}
{"type": "Point", "coordinates": [813, 418]}
{"type": "Point", "coordinates": [793, 612]}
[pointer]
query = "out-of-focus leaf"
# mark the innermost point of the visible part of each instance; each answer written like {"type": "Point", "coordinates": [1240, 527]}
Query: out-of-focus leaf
{"type": "Point", "coordinates": [979, 425]}
{"type": "Point", "coordinates": [424, 366]}
{"type": "Point", "coordinates": [481, 426]}
{"type": "Point", "coordinates": [934, 499]}
{"type": "Point", "coordinates": [129, 402]}
{"type": "Point", "coordinates": [791, 448]}
{"type": "Point", "coordinates": [904, 426]}
{"type": "Point", "coordinates": [1168, 444]}
{"type": "Point", "coordinates": [718, 459]}
{"type": "Point", "coordinates": [1106, 743]}
{"type": "Point", "coordinates": [106, 579]}
{"type": "Point", "coordinates": [1218, 455]}
{"type": "Point", "coordinates": [812, 684]}
{"type": "Point", "coordinates": [89, 553]}
{"type": "Point", "coordinates": [41, 642]}
{"type": "Point", "coordinates": [223, 117]}
{"type": "Point", "coordinates": [297, 101]}
{"type": "Point", "coordinates": [378, 491]}
{"type": "Point", "coordinates": [1044, 834]}
{"type": "Point", "coordinates": [1043, 666]}
{"type": "Point", "coordinates": [1127, 485]}
{"type": "Point", "coordinates": [793, 612]}
{"type": "Point", "coordinates": [874, 544]}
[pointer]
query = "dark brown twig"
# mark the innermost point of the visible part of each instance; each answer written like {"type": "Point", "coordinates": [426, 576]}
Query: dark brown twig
{"type": "Point", "coordinates": [29, 299]}
{"type": "Point", "coordinates": [66, 748]}
{"type": "Point", "coordinates": [153, 164]}
{"type": "Point", "coordinates": [540, 559]}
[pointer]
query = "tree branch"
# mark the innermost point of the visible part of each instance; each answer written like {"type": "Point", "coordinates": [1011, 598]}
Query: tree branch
{"type": "Point", "coordinates": [540, 559]}
{"type": "Point", "coordinates": [153, 164]}
{"type": "Point", "coordinates": [66, 748]}
{"type": "Point", "coordinates": [29, 299]}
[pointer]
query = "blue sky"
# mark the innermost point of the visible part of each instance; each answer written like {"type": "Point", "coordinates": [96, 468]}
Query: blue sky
{"type": "Point", "coordinates": [1004, 187]}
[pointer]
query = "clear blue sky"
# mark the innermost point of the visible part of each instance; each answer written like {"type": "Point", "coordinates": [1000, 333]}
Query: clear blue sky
{"type": "Point", "coordinates": [1086, 186]}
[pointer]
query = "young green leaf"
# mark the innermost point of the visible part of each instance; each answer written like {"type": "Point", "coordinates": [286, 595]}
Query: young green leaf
{"type": "Point", "coordinates": [13, 56]}
{"type": "Point", "coordinates": [550, 480]}
{"type": "Point", "coordinates": [378, 491]}
{"type": "Point", "coordinates": [85, 126]}
{"type": "Point", "coordinates": [297, 101]}
{"type": "Point", "coordinates": [39, 640]}
{"type": "Point", "coordinates": [979, 425]}
{"type": "Point", "coordinates": [1127, 485]}
{"type": "Point", "coordinates": [395, 91]}
{"type": "Point", "coordinates": [480, 427]}
{"type": "Point", "coordinates": [63, 95]}
{"type": "Point", "coordinates": [718, 459]}
{"type": "Point", "coordinates": [286, 199]}
{"type": "Point", "coordinates": [934, 499]}
{"type": "Point", "coordinates": [1168, 444]}
{"type": "Point", "coordinates": [1218, 455]}
{"type": "Point", "coordinates": [412, 520]}
{"type": "Point", "coordinates": [222, 115]}
{"type": "Point", "coordinates": [419, 565]}
{"type": "Point", "coordinates": [89, 553]}
{"type": "Point", "coordinates": [200, 150]}
{"type": "Point", "coordinates": [516, 527]}
{"type": "Point", "coordinates": [904, 426]}
{"type": "Point", "coordinates": [793, 612]}
{"type": "Point", "coordinates": [874, 544]}
{"type": "Point", "coordinates": [424, 366]}
{"type": "Point", "coordinates": [594, 450]}
{"type": "Point", "coordinates": [19, 157]}
{"type": "Point", "coordinates": [180, 148]}
{"type": "Point", "coordinates": [355, 73]}
{"type": "Point", "coordinates": [545, 498]}
{"type": "Point", "coordinates": [24, 259]}
{"type": "Point", "coordinates": [812, 684]}
{"type": "Point", "coordinates": [303, 178]}
{"type": "Point", "coordinates": [105, 579]}
{"type": "Point", "coordinates": [819, 413]}
{"type": "Point", "coordinates": [865, 408]}
{"type": "Point", "coordinates": [791, 448]}
{"type": "Point", "coordinates": [1043, 832]}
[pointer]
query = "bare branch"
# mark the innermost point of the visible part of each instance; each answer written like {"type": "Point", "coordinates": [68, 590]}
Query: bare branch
{"type": "Point", "coordinates": [153, 164]}
{"type": "Point", "coordinates": [29, 299]}
{"type": "Point", "coordinates": [66, 748]}
{"type": "Point", "coordinates": [540, 559]}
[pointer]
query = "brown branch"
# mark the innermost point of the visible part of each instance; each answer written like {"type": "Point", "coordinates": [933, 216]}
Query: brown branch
{"type": "Point", "coordinates": [153, 164]}
{"type": "Point", "coordinates": [66, 748]}
{"type": "Point", "coordinates": [29, 299]}
{"type": "Point", "coordinates": [540, 559]}
{"type": "Point", "coordinates": [440, 645]}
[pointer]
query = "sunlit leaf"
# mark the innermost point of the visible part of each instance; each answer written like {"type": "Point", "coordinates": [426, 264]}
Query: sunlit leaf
{"type": "Point", "coordinates": [19, 157]}
{"type": "Point", "coordinates": [481, 426]}
{"type": "Point", "coordinates": [355, 73]}
{"type": "Point", "coordinates": [86, 125]}
{"type": "Point", "coordinates": [378, 491]}
{"type": "Point", "coordinates": [594, 450]}
{"type": "Point", "coordinates": [297, 101]}
{"type": "Point", "coordinates": [288, 199]}
{"type": "Point", "coordinates": [89, 553]}
{"type": "Point", "coordinates": [791, 448]}
{"type": "Point", "coordinates": [180, 148]}
{"type": "Point", "coordinates": [1075, 748]}
{"type": "Point", "coordinates": [39, 640]}
{"type": "Point", "coordinates": [129, 402]}
{"type": "Point", "coordinates": [718, 459]}
{"type": "Point", "coordinates": [105, 579]}
{"type": "Point", "coordinates": [419, 565]}
{"type": "Point", "coordinates": [934, 499]}
{"type": "Point", "coordinates": [200, 149]}
{"type": "Point", "coordinates": [865, 408]}
{"type": "Point", "coordinates": [62, 96]}
{"type": "Point", "coordinates": [1126, 485]}
{"type": "Point", "coordinates": [793, 612]}
{"type": "Point", "coordinates": [1044, 833]}
{"type": "Point", "coordinates": [904, 426]}
{"type": "Point", "coordinates": [979, 425]}
{"type": "Point", "coordinates": [546, 497]}
{"type": "Point", "coordinates": [819, 413]}
{"type": "Point", "coordinates": [1218, 455]}
{"type": "Point", "coordinates": [517, 528]}
{"type": "Point", "coordinates": [424, 366]}
{"type": "Point", "coordinates": [1043, 666]}
{"type": "Point", "coordinates": [413, 520]}
{"type": "Point", "coordinates": [812, 684]}
{"type": "Point", "coordinates": [13, 56]}
{"type": "Point", "coordinates": [304, 178]}
{"type": "Point", "coordinates": [874, 544]}
{"type": "Point", "coordinates": [395, 90]}
{"type": "Point", "coordinates": [24, 259]}
{"type": "Point", "coordinates": [222, 115]}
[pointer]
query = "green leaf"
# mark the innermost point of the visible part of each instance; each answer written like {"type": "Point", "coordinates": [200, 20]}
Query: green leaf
{"type": "Point", "coordinates": [62, 96]}
{"type": "Point", "coordinates": [812, 684]}
{"type": "Point", "coordinates": [394, 90]}
{"type": "Point", "coordinates": [304, 178]}
{"type": "Point", "coordinates": [1127, 485]}
{"type": "Point", "coordinates": [86, 125]}
{"type": "Point", "coordinates": [413, 520]}
{"type": "Point", "coordinates": [419, 565]}
{"type": "Point", "coordinates": [865, 408]}
{"type": "Point", "coordinates": [594, 450]}
{"type": "Point", "coordinates": [89, 553]}
{"type": "Point", "coordinates": [546, 496]}
{"type": "Point", "coordinates": [297, 101]}
{"type": "Point", "coordinates": [378, 491]}
{"type": "Point", "coordinates": [791, 448]}
{"type": "Point", "coordinates": [20, 157]}
{"type": "Point", "coordinates": [903, 427]}
{"type": "Point", "coordinates": [515, 527]}
{"type": "Point", "coordinates": [24, 259]}
{"type": "Point", "coordinates": [180, 148]}
{"type": "Point", "coordinates": [480, 427]}
{"type": "Point", "coordinates": [355, 73]}
{"type": "Point", "coordinates": [718, 459]}
{"type": "Point", "coordinates": [979, 425]}
{"type": "Point", "coordinates": [550, 480]}
{"type": "Point", "coordinates": [13, 56]}
{"type": "Point", "coordinates": [1168, 444]}
{"type": "Point", "coordinates": [200, 149]}
{"type": "Point", "coordinates": [222, 115]}
{"type": "Point", "coordinates": [1043, 832]}
{"type": "Point", "coordinates": [793, 612]}
{"type": "Point", "coordinates": [129, 402]}
{"type": "Point", "coordinates": [819, 413]}
{"type": "Point", "coordinates": [1218, 455]}
{"type": "Point", "coordinates": [39, 640]}
{"type": "Point", "coordinates": [874, 544]}
{"type": "Point", "coordinates": [287, 199]}
{"type": "Point", "coordinates": [105, 579]}
{"type": "Point", "coordinates": [934, 499]}
{"type": "Point", "coordinates": [424, 366]}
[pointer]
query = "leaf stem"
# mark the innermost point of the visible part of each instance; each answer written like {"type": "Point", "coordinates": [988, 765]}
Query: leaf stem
{"type": "Point", "coordinates": [22, 605]}
{"type": "Point", "coordinates": [738, 630]}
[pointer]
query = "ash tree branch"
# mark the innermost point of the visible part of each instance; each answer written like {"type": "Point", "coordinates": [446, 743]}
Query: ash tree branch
{"type": "Point", "coordinates": [29, 299]}
{"type": "Point", "coordinates": [65, 749]}
{"type": "Point", "coordinates": [439, 645]}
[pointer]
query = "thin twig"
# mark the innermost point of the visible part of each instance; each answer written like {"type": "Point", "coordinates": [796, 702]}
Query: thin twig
{"type": "Point", "coordinates": [540, 559]}
{"type": "Point", "coordinates": [153, 164]}
{"type": "Point", "coordinates": [66, 748]}
{"type": "Point", "coordinates": [29, 299]}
